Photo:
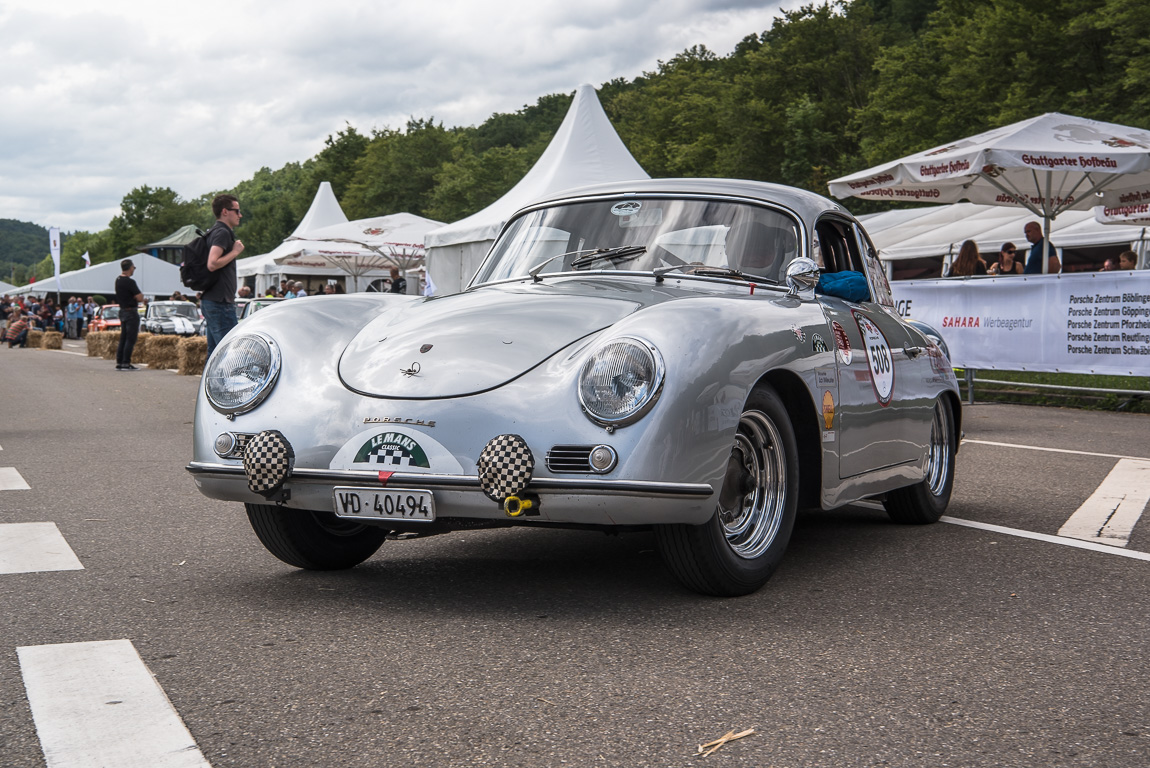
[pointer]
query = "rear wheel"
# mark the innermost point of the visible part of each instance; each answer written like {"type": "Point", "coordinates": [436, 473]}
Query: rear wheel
{"type": "Point", "coordinates": [924, 502]}
{"type": "Point", "coordinates": [317, 541]}
{"type": "Point", "coordinates": [737, 550]}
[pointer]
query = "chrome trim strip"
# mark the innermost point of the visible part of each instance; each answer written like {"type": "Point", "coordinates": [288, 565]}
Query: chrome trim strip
{"type": "Point", "coordinates": [368, 478]}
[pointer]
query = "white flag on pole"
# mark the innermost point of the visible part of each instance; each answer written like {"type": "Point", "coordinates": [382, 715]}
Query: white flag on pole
{"type": "Point", "coordinates": [87, 260]}
{"type": "Point", "coordinates": [54, 242]}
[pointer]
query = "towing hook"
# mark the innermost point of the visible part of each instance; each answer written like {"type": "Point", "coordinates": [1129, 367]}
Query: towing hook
{"type": "Point", "coordinates": [515, 506]}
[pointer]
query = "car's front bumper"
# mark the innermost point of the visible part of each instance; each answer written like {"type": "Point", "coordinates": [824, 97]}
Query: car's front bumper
{"type": "Point", "coordinates": [585, 501]}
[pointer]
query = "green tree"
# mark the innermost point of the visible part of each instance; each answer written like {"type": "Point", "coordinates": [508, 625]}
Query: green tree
{"type": "Point", "coordinates": [147, 215]}
{"type": "Point", "coordinates": [397, 172]}
{"type": "Point", "coordinates": [471, 182]}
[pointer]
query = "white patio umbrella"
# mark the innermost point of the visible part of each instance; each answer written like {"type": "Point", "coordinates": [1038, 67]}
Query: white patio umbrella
{"type": "Point", "coordinates": [366, 245]}
{"type": "Point", "coordinates": [1047, 165]}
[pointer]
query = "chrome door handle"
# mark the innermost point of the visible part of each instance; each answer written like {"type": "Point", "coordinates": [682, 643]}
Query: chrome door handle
{"type": "Point", "coordinates": [913, 352]}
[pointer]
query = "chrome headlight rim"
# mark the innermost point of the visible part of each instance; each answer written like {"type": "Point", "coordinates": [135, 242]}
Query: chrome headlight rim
{"type": "Point", "coordinates": [643, 407]}
{"type": "Point", "coordinates": [261, 392]}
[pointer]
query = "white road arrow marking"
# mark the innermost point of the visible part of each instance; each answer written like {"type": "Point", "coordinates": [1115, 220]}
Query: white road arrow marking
{"type": "Point", "coordinates": [1112, 511]}
{"type": "Point", "coordinates": [35, 547]}
{"type": "Point", "coordinates": [12, 480]}
{"type": "Point", "coordinates": [97, 705]}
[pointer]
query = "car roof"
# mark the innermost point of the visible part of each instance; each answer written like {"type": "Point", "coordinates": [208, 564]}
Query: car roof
{"type": "Point", "coordinates": [808, 205]}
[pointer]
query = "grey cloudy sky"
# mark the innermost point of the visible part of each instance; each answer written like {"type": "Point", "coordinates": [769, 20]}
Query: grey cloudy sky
{"type": "Point", "coordinates": [99, 98]}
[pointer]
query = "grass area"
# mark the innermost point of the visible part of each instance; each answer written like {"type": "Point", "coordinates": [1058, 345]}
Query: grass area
{"type": "Point", "coordinates": [1094, 398]}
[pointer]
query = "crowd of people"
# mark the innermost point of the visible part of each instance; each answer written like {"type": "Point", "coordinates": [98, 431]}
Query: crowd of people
{"type": "Point", "coordinates": [21, 314]}
{"type": "Point", "coordinates": [970, 262]}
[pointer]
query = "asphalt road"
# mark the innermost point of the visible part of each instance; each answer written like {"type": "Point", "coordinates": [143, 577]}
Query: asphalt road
{"type": "Point", "coordinates": [873, 645]}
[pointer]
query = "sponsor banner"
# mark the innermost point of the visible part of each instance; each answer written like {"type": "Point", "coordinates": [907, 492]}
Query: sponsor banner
{"type": "Point", "coordinates": [1090, 323]}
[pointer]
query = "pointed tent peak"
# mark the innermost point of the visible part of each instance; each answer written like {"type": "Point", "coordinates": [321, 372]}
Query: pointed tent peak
{"type": "Point", "coordinates": [324, 211]}
{"type": "Point", "coordinates": [585, 150]}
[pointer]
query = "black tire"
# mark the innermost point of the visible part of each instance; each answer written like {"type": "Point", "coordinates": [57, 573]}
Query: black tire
{"type": "Point", "coordinates": [924, 503]}
{"type": "Point", "coordinates": [316, 541]}
{"type": "Point", "coordinates": [737, 550]}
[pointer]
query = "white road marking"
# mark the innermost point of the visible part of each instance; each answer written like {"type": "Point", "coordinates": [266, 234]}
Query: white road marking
{"type": "Point", "coordinates": [1110, 550]}
{"type": "Point", "coordinates": [35, 547]}
{"type": "Point", "coordinates": [1112, 511]}
{"type": "Point", "coordinates": [12, 480]}
{"type": "Point", "coordinates": [97, 705]}
{"type": "Point", "coordinates": [1054, 450]}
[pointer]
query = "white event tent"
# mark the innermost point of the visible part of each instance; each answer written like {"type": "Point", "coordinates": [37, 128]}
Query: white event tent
{"type": "Point", "coordinates": [919, 241]}
{"type": "Point", "coordinates": [585, 150]}
{"type": "Point", "coordinates": [6, 287]}
{"type": "Point", "coordinates": [324, 212]}
{"type": "Point", "coordinates": [155, 277]}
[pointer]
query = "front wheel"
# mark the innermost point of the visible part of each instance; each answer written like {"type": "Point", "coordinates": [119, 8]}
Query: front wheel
{"type": "Point", "coordinates": [316, 541]}
{"type": "Point", "coordinates": [737, 550]}
{"type": "Point", "coordinates": [924, 502]}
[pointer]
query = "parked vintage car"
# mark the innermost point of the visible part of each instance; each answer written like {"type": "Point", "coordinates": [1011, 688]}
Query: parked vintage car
{"type": "Point", "coordinates": [172, 317]}
{"type": "Point", "coordinates": [650, 354]}
{"type": "Point", "coordinates": [107, 318]}
{"type": "Point", "coordinates": [248, 307]}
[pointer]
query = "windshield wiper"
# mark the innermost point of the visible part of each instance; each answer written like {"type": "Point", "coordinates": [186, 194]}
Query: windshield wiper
{"type": "Point", "coordinates": [703, 271]}
{"type": "Point", "coordinates": [621, 252]}
{"type": "Point", "coordinates": [594, 254]}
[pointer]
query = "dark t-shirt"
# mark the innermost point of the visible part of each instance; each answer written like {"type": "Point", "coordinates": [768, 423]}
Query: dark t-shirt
{"type": "Point", "coordinates": [126, 291]}
{"type": "Point", "coordinates": [225, 288]}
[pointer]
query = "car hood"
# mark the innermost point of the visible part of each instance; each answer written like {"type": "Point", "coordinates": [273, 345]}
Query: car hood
{"type": "Point", "coordinates": [471, 342]}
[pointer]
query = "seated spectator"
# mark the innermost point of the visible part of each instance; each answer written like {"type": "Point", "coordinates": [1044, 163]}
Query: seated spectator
{"type": "Point", "coordinates": [968, 263]}
{"type": "Point", "coordinates": [17, 335]}
{"type": "Point", "coordinates": [1127, 260]}
{"type": "Point", "coordinates": [1110, 265]}
{"type": "Point", "coordinates": [1007, 264]}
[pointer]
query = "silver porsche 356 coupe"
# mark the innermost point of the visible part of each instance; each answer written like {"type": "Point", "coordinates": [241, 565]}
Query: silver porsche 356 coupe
{"type": "Point", "coordinates": [676, 355]}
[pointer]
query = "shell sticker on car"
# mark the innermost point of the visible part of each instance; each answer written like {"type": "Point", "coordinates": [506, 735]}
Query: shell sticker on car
{"type": "Point", "coordinates": [879, 358]}
{"type": "Point", "coordinates": [626, 208]}
{"type": "Point", "coordinates": [828, 409]}
{"type": "Point", "coordinates": [396, 450]}
{"type": "Point", "coordinates": [843, 343]}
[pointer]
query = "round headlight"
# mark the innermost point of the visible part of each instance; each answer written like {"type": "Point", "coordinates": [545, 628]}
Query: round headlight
{"type": "Point", "coordinates": [621, 381]}
{"type": "Point", "coordinates": [241, 373]}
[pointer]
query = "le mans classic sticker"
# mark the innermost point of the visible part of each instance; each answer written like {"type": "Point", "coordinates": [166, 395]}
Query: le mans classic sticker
{"type": "Point", "coordinates": [881, 365]}
{"type": "Point", "coordinates": [395, 450]}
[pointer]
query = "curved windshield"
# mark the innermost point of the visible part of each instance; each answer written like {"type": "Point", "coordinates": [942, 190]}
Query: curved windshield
{"type": "Point", "coordinates": [111, 313]}
{"type": "Point", "coordinates": [176, 310]}
{"type": "Point", "coordinates": [644, 234]}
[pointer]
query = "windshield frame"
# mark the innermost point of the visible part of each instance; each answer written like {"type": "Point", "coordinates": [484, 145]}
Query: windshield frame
{"type": "Point", "coordinates": [486, 267]}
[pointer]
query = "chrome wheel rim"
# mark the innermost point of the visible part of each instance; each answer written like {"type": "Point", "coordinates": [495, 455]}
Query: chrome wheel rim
{"type": "Point", "coordinates": [938, 454]}
{"type": "Point", "coordinates": [754, 495]}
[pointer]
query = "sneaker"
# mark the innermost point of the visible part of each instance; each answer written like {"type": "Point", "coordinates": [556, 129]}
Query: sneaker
{"type": "Point", "coordinates": [130, 368]}
{"type": "Point", "coordinates": [119, 367]}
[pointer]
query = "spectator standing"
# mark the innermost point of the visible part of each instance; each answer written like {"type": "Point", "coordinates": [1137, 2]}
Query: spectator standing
{"type": "Point", "coordinates": [398, 282]}
{"type": "Point", "coordinates": [74, 317]}
{"type": "Point", "coordinates": [1110, 265]}
{"type": "Point", "coordinates": [1033, 232]}
{"type": "Point", "coordinates": [968, 263]}
{"type": "Point", "coordinates": [299, 289]}
{"type": "Point", "coordinates": [1127, 260]}
{"type": "Point", "coordinates": [90, 308]}
{"type": "Point", "coordinates": [218, 303]}
{"type": "Point", "coordinates": [129, 297]}
{"type": "Point", "coordinates": [1007, 264]}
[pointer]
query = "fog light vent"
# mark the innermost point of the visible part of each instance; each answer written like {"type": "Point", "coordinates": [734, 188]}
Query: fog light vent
{"type": "Point", "coordinates": [581, 459]}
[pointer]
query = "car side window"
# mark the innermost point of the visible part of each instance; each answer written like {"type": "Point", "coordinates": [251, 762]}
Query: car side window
{"type": "Point", "coordinates": [876, 273]}
{"type": "Point", "coordinates": [838, 246]}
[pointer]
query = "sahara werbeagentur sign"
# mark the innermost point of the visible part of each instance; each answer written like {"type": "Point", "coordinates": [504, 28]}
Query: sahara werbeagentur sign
{"type": "Point", "coordinates": [1097, 322]}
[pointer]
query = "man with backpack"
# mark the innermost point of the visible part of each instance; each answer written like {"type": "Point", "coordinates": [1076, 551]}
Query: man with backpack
{"type": "Point", "coordinates": [219, 300]}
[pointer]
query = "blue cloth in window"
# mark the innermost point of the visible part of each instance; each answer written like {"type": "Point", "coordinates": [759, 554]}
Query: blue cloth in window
{"type": "Point", "coordinates": [846, 285]}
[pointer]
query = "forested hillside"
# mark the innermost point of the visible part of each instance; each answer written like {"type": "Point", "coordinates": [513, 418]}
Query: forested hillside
{"type": "Point", "coordinates": [827, 90]}
{"type": "Point", "coordinates": [22, 244]}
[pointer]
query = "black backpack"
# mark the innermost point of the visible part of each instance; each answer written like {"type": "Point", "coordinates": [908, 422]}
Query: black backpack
{"type": "Point", "coordinates": [194, 272]}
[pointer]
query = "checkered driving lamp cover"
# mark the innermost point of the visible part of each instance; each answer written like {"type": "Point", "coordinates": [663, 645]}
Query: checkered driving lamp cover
{"type": "Point", "coordinates": [268, 461]}
{"type": "Point", "coordinates": [505, 467]}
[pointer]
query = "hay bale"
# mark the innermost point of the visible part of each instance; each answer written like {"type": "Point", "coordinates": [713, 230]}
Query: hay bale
{"type": "Point", "coordinates": [94, 340]}
{"type": "Point", "coordinates": [52, 340]}
{"type": "Point", "coordinates": [35, 338]}
{"type": "Point", "coordinates": [111, 345]}
{"type": "Point", "coordinates": [193, 354]}
{"type": "Point", "coordinates": [140, 351]}
{"type": "Point", "coordinates": [163, 351]}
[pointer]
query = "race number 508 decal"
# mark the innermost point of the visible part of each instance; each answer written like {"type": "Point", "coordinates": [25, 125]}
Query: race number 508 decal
{"type": "Point", "coordinates": [881, 365]}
